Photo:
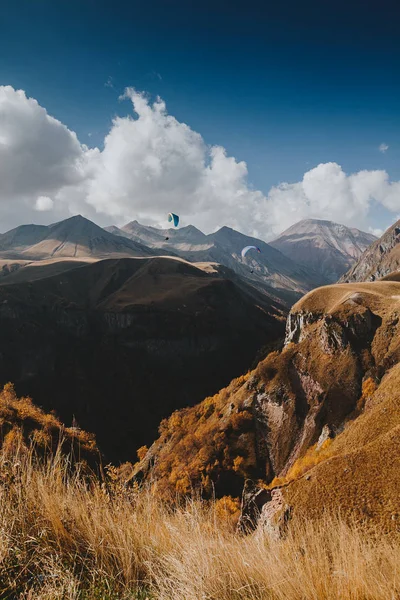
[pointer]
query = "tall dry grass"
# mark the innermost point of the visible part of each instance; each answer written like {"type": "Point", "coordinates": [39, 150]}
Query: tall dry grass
{"type": "Point", "coordinates": [66, 536]}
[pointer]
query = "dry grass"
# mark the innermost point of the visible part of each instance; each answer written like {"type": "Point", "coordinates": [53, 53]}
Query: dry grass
{"type": "Point", "coordinates": [66, 536]}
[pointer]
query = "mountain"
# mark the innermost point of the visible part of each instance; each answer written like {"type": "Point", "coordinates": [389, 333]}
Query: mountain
{"type": "Point", "coordinates": [328, 248]}
{"type": "Point", "coordinates": [315, 425]}
{"type": "Point", "coordinates": [74, 237]}
{"type": "Point", "coordinates": [379, 260]}
{"type": "Point", "coordinates": [121, 343]}
{"type": "Point", "coordinates": [268, 269]}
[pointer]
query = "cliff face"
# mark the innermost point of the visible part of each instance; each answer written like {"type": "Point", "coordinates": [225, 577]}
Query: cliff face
{"type": "Point", "coordinates": [379, 260]}
{"type": "Point", "coordinates": [342, 341]}
{"type": "Point", "coordinates": [121, 343]}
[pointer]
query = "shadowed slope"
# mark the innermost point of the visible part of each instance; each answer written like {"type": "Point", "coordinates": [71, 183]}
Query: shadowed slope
{"type": "Point", "coordinates": [126, 341]}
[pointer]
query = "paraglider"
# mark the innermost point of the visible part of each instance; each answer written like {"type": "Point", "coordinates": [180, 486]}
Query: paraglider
{"type": "Point", "coordinates": [172, 218]}
{"type": "Point", "coordinates": [247, 248]}
{"type": "Point", "coordinates": [245, 251]}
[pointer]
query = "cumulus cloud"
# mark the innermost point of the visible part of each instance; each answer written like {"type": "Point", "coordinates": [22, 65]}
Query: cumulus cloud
{"type": "Point", "coordinates": [44, 203]}
{"type": "Point", "coordinates": [152, 164]}
{"type": "Point", "coordinates": [39, 156]}
{"type": "Point", "coordinates": [327, 192]}
{"type": "Point", "coordinates": [383, 147]}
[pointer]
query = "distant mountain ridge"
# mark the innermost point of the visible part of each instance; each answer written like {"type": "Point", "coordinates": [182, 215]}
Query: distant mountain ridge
{"type": "Point", "coordinates": [74, 237]}
{"type": "Point", "coordinates": [269, 269]}
{"type": "Point", "coordinates": [328, 248]}
{"type": "Point", "coordinates": [379, 260]}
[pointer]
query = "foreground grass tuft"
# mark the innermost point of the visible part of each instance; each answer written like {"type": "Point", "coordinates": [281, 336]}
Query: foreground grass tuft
{"type": "Point", "coordinates": [64, 535]}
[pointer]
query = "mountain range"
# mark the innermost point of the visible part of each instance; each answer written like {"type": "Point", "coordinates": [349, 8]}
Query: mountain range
{"type": "Point", "coordinates": [311, 253]}
{"type": "Point", "coordinates": [267, 269]}
{"type": "Point", "coordinates": [75, 237]}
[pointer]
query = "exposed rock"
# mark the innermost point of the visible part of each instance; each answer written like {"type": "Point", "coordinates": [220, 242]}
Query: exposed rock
{"type": "Point", "coordinates": [326, 434]}
{"type": "Point", "coordinates": [275, 515]}
{"type": "Point", "coordinates": [380, 259]}
{"type": "Point", "coordinates": [333, 336]}
{"type": "Point", "coordinates": [253, 500]}
{"type": "Point", "coordinates": [296, 326]}
{"type": "Point", "coordinates": [263, 509]}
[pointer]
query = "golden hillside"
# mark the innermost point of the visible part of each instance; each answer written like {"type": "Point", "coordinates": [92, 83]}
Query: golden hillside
{"type": "Point", "coordinates": [317, 422]}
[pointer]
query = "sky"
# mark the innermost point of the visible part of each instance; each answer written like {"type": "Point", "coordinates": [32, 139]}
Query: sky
{"type": "Point", "coordinates": [252, 114]}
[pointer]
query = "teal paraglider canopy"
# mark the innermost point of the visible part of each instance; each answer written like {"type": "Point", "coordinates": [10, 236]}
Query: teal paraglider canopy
{"type": "Point", "coordinates": [172, 218]}
{"type": "Point", "coordinates": [247, 248]}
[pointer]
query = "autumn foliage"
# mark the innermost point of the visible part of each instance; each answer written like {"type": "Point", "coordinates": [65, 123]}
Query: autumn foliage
{"type": "Point", "coordinates": [24, 425]}
{"type": "Point", "coordinates": [203, 445]}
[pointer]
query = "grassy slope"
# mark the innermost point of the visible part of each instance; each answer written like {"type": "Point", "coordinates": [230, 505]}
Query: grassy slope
{"type": "Point", "coordinates": [361, 474]}
{"type": "Point", "coordinates": [66, 538]}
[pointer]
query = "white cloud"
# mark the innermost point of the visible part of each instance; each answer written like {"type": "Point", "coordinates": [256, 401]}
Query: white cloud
{"type": "Point", "coordinates": [377, 232]}
{"type": "Point", "coordinates": [109, 83]}
{"type": "Point", "coordinates": [152, 164]}
{"type": "Point", "coordinates": [383, 147]}
{"type": "Point", "coordinates": [44, 203]}
{"type": "Point", "coordinates": [39, 156]}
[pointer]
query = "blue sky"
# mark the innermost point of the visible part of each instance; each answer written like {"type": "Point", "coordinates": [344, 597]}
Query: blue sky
{"type": "Point", "coordinates": [283, 86]}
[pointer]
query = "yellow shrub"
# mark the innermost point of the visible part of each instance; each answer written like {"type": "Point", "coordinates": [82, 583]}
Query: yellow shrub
{"type": "Point", "coordinates": [227, 509]}
{"type": "Point", "coordinates": [141, 452]}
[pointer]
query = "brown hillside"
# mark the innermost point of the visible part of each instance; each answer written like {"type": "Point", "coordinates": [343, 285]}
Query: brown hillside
{"type": "Point", "coordinates": [361, 476]}
{"type": "Point", "coordinates": [277, 423]}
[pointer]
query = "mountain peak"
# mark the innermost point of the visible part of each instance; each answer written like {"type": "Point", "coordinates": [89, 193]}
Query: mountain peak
{"type": "Point", "coordinates": [75, 237]}
{"type": "Point", "coordinates": [327, 247]}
